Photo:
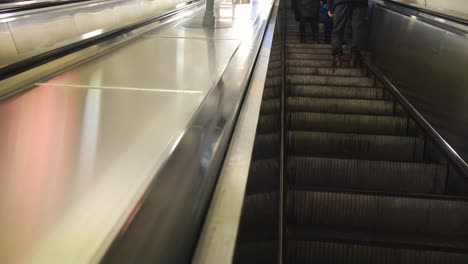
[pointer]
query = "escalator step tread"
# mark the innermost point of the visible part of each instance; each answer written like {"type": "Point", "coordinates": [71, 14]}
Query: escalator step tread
{"type": "Point", "coordinates": [407, 177]}
{"type": "Point", "coordinates": [308, 63]}
{"type": "Point", "coordinates": [305, 252]}
{"type": "Point", "coordinates": [382, 238]}
{"type": "Point", "coordinates": [313, 56]}
{"type": "Point", "coordinates": [268, 123]}
{"type": "Point", "coordinates": [310, 50]}
{"type": "Point", "coordinates": [345, 106]}
{"type": "Point", "coordinates": [358, 72]}
{"type": "Point", "coordinates": [270, 106]}
{"type": "Point", "coordinates": [266, 146]}
{"type": "Point", "coordinates": [349, 123]}
{"type": "Point", "coordinates": [359, 146]}
{"type": "Point", "coordinates": [371, 213]}
{"type": "Point", "coordinates": [335, 92]}
{"type": "Point", "coordinates": [331, 80]}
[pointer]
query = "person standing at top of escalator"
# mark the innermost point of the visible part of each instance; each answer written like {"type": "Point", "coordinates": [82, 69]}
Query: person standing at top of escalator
{"type": "Point", "coordinates": [309, 12]}
{"type": "Point", "coordinates": [344, 12]}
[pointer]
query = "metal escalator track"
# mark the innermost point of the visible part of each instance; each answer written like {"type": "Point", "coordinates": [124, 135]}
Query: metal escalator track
{"type": "Point", "coordinates": [359, 187]}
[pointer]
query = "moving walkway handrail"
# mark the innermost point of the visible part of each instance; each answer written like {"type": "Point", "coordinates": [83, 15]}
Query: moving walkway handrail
{"type": "Point", "coordinates": [460, 165]}
{"type": "Point", "coordinates": [16, 6]}
{"type": "Point", "coordinates": [427, 14]}
{"type": "Point", "coordinates": [103, 35]}
{"type": "Point", "coordinates": [432, 11]}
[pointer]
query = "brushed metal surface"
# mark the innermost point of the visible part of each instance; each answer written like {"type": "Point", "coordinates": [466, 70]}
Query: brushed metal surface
{"type": "Point", "coordinates": [455, 6]}
{"type": "Point", "coordinates": [166, 226]}
{"type": "Point", "coordinates": [239, 14]}
{"type": "Point", "coordinates": [155, 63]}
{"type": "Point", "coordinates": [428, 64]}
{"type": "Point", "coordinates": [35, 32]}
{"type": "Point", "coordinates": [80, 149]}
{"type": "Point", "coordinates": [73, 163]}
{"type": "Point", "coordinates": [218, 238]}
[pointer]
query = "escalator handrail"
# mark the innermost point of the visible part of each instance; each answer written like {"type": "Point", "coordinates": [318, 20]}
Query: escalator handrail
{"type": "Point", "coordinates": [456, 160]}
{"type": "Point", "coordinates": [417, 10]}
{"type": "Point", "coordinates": [31, 5]}
{"type": "Point", "coordinates": [45, 57]}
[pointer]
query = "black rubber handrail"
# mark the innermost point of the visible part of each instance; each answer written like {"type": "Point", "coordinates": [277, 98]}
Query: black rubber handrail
{"type": "Point", "coordinates": [430, 11]}
{"type": "Point", "coordinates": [15, 6]}
{"type": "Point", "coordinates": [458, 162]}
{"type": "Point", "coordinates": [42, 58]}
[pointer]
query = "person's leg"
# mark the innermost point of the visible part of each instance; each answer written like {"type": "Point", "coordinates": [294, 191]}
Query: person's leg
{"type": "Point", "coordinates": [358, 27]}
{"type": "Point", "coordinates": [302, 29]}
{"type": "Point", "coordinates": [340, 17]}
{"type": "Point", "coordinates": [315, 30]}
{"type": "Point", "coordinates": [348, 33]}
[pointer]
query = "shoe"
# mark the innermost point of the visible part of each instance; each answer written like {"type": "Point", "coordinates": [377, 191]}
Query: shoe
{"type": "Point", "coordinates": [337, 60]}
{"type": "Point", "coordinates": [354, 61]}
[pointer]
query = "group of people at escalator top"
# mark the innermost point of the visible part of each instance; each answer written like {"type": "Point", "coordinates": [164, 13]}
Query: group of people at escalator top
{"type": "Point", "coordinates": [344, 20]}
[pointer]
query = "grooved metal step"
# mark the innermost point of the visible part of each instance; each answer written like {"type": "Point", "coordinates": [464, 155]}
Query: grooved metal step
{"type": "Point", "coordinates": [331, 80]}
{"type": "Point", "coordinates": [268, 123]}
{"type": "Point", "coordinates": [307, 45]}
{"type": "Point", "coordinates": [380, 215]}
{"type": "Point", "coordinates": [266, 146]}
{"type": "Point", "coordinates": [271, 92]}
{"type": "Point", "coordinates": [308, 63]}
{"type": "Point", "coordinates": [306, 252]}
{"type": "Point", "coordinates": [348, 123]}
{"type": "Point", "coordinates": [264, 176]}
{"type": "Point", "coordinates": [270, 106]}
{"type": "Point", "coordinates": [309, 56]}
{"type": "Point", "coordinates": [335, 92]}
{"type": "Point", "coordinates": [345, 106]}
{"type": "Point", "coordinates": [373, 147]}
{"type": "Point", "coordinates": [306, 49]}
{"type": "Point", "coordinates": [389, 176]}
{"type": "Point", "coordinates": [358, 72]}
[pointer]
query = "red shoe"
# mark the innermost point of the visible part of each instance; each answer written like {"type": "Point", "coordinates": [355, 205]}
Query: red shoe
{"type": "Point", "coordinates": [338, 61]}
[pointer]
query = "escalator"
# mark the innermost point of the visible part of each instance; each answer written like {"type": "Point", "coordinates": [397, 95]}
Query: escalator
{"type": "Point", "coordinates": [359, 187]}
{"type": "Point", "coordinates": [361, 181]}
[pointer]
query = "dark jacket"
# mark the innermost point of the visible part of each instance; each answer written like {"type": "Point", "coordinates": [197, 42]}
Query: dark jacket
{"type": "Point", "coordinates": [308, 9]}
{"type": "Point", "coordinates": [333, 3]}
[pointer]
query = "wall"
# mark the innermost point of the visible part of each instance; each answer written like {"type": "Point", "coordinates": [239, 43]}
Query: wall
{"type": "Point", "coordinates": [429, 66]}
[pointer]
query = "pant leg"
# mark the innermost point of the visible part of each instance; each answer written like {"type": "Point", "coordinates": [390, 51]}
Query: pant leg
{"type": "Point", "coordinates": [342, 13]}
{"type": "Point", "coordinates": [302, 28]}
{"type": "Point", "coordinates": [315, 29]}
{"type": "Point", "coordinates": [358, 26]}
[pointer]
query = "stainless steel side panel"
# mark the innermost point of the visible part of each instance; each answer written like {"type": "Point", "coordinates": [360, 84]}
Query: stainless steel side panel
{"type": "Point", "coordinates": [79, 150]}
{"type": "Point", "coordinates": [28, 33]}
{"type": "Point", "coordinates": [429, 65]}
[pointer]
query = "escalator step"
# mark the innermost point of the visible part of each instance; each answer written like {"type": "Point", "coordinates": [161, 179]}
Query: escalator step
{"type": "Point", "coordinates": [273, 81]}
{"type": "Point", "coordinates": [331, 80]}
{"type": "Point", "coordinates": [270, 106]}
{"type": "Point", "coordinates": [271, 92]}
{"type": "Point", "coordinates": [266, 146]}
{"type": "Point", "coordinates": [335, 92]}
{"type": "Point", "coordinates": [303, 50]}
{"type": "Point", "coordinates": [257, 213]}
{"type": "Point", "coordinates": [268, 124]}
{"type": "Point", "coordinates": [359, 72]}
{"type": "Point", "coordinates": [359, 146]}
{"type": "Point", "coordinates": [308, 63]}
{"type": "Point", "coordinates": [381, 219]}
{"type": "Point", "coordinates": [346, 123]}
{"type": "Point", "coordinates": [307, 45]}
{"type": "Point", "coordinates": [263, 176]}
{"type": "Point", "coordinates": [346, 106]}
{"type": "Point", "coordinates": [305, 252]}
{"type": "Point", "coordinates": [408, 177]}
{"type": "Point", "coordinates": [309, 56]}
